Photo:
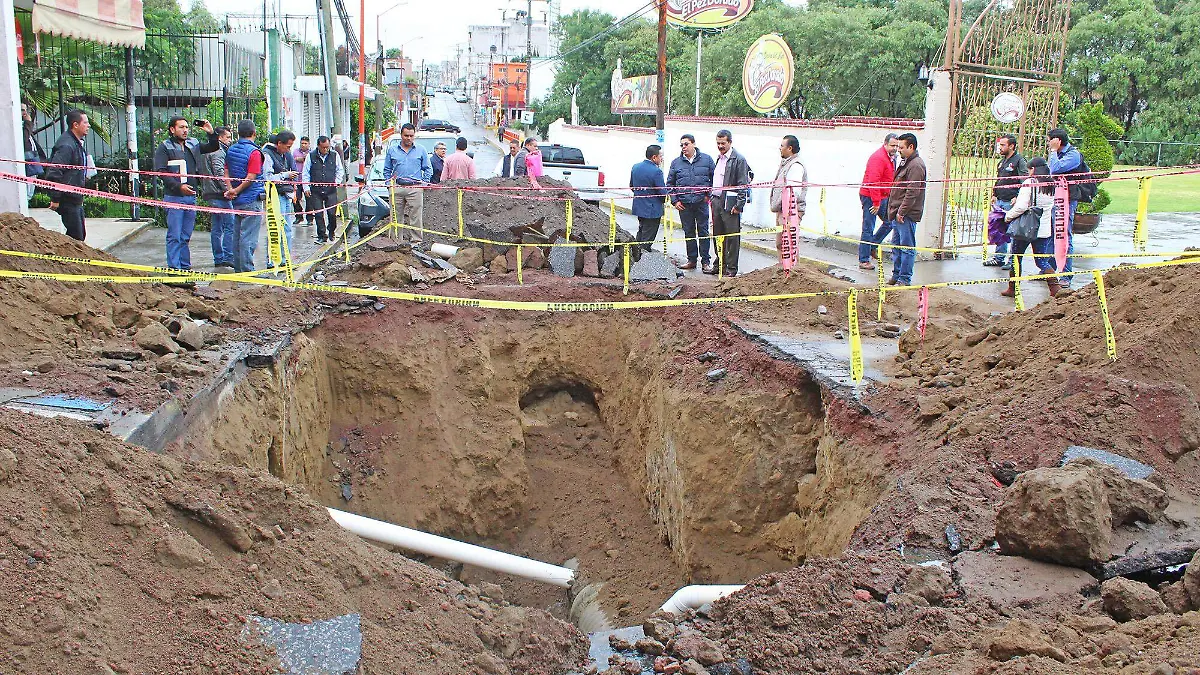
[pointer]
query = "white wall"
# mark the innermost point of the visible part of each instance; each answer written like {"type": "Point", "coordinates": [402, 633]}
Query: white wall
{"type": "Point", "coordinates": [834, 152]}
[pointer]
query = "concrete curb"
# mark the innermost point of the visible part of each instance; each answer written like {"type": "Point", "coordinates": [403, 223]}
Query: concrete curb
{"type": "Point", "coordinates": [129, 235]}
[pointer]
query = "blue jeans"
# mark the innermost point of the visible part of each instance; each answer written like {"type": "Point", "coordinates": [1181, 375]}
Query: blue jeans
{"type": "Point", "coordinates": [1002, 249]}
{"type": "Point", "coordinates": [222, 232]}
{"type": "Point", "coordinates": [906, 235]}
{"type": "Point", "coordinates": [180, 223]}
{"type": "Point", "coordinates": [245, 234]}
{"type": "Point", "coordinates": [286, 209]}
{"type": "Point", "coordinates": [885, 225]}
{"type": "Point", "coordinates": [867, 239]}
{"type": "Point", "coordinates": [694, 218]}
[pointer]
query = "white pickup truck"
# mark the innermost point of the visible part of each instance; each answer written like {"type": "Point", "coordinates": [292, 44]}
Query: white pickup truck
{"type": "Point", "coordinates": [567, 164]}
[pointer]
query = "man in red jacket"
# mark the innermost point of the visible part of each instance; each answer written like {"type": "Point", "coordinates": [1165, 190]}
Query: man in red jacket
{"type": "Point", "coordinates": [877, 183]}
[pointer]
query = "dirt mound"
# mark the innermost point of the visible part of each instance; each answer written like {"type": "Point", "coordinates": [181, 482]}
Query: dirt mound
{"type": "Point", "coordinates": [116, 559]}
{"type": "Point", "coordinates": [510, 215]}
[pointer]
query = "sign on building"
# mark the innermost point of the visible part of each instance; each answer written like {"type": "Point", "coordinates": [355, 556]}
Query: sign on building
{"type": "Point", "coordinates": [767, 73]}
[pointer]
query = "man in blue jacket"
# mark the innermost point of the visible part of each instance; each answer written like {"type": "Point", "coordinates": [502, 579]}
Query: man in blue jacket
{"type": "Point", "coordinates": [1065, 159]}
{"type": "Point", "coordinates": [649, 188]}
{"type": "Point", "coordinates": [689, 171]}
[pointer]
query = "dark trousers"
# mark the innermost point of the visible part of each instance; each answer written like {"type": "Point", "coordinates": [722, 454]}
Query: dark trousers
{"type": "Point", "coordinates": [728, 225]}
{"type": "Point", "coordinates": [648, 231]}
{"type": "Point", "coordinates": [325, 204]}
{"type": "Point", "coordinates": [72, 219]}
{"type": "Point", "coordinates": [694, 218]}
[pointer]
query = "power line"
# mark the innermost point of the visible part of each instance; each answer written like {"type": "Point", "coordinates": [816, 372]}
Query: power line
{"type": "Point", "coordinates": [617, 25]}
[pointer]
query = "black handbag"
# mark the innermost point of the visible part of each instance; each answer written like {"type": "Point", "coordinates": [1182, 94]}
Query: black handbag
{"type": "Point", "coordinates": [1025, 227]}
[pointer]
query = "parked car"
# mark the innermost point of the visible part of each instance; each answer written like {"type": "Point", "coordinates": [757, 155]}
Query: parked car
{"type": "Point", "coordinates": [374, 200]}
{"type": "Point", "coordinates": [460, 97]}
{"type": "Point", "coordinates": [567, 164]}
{"type": "Point", "coordinates": [430, 124]}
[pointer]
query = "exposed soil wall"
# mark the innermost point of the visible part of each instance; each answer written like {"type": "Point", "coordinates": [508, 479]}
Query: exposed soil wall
{"type": "Point", "coordinates": [417, 414]}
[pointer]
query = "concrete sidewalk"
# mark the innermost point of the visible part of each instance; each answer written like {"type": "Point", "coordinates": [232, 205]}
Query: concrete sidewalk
{"type": "Point", "coordinates": [104, 234]}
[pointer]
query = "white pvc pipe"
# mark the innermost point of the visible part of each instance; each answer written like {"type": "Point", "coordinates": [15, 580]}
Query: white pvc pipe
{"type": "Point", "coordinates": [694, 597]}
{"type": "Point", "coordinates": [445, 251]}
{"type": "Point", "coordinates": [441, 547]}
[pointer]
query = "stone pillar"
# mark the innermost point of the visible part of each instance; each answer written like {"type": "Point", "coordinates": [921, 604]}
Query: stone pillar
{"type": "Point", "coordinates": [12, 193]}
{"type": "Point", "coordinates": [935, 148]}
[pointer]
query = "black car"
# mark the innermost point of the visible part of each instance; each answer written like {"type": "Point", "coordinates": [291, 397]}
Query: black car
{"type": "Point", "coordinates": [438, 125]}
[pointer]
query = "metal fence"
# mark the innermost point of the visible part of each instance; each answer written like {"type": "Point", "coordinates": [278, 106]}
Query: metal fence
{"type": "Point", "coordinates": [219, 77]}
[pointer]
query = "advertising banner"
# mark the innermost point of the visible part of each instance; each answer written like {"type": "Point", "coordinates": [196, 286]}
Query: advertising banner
{"type": "Point", "coordinates": [767, 73]}
{"type": "Point", "coordinates": [708, 14]}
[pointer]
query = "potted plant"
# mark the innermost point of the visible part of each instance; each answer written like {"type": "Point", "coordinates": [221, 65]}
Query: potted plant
{"type": "Point", "coordinates": [1096, 127]}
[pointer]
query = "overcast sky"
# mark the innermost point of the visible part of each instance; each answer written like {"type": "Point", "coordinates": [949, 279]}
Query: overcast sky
{"type": "Point", "coordinates": [439, 30]}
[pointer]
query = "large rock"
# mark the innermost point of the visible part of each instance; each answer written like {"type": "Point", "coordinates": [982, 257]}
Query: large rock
{"type": "Point", "coordinates": [190, 336]}
{"type": "Point", "coordinates": [468, 259]}
{"type": "Point", "coordinates": [1023, 638]}
{"type": "Point", "coordinates": [698, 647]}
{"type": "Point", "coordinates": [154, 337]}
{"type": "Point", "coordinates": [1191, 580]}
{"type": "Point", "coordinates": [1126, 600]}
{"type": "Point", "coordinates": [928, 581]}
{"type": "Point", "coordinates": [1056, 514]}
{"type": "Point", "coordinates": [1130, 499]}
{"type": "Point", "coordinates": [396, 275]}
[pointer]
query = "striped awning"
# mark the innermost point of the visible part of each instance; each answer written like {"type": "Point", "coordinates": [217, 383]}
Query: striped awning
{"type": "Point", "coordinates": [110, 22]}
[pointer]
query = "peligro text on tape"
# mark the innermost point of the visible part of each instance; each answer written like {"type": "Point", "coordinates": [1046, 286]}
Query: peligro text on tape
{"type": "Point", "coordinates": [1018, 300]}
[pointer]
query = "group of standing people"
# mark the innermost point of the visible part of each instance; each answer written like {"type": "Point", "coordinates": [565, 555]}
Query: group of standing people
{"type": "Point", "coordinates": [893, 196]}
{"type": "Point", "coordinates": [232, 176]}
{"type": "Point", "coordinates": [702, 190]}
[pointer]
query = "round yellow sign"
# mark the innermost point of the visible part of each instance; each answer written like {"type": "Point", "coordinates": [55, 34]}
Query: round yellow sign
{"type": "Point", "coordinates": [767, 73]}
{"type": "Point", "coordinates": [707, 13]}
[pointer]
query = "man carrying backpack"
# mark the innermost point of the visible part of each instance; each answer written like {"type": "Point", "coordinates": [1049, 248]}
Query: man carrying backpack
{"type": "Point", "coordinates": [1065, 160]}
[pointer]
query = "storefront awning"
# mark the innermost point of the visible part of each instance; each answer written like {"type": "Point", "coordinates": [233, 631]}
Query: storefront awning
{"type": "Point", "coordinates": [110, 22]}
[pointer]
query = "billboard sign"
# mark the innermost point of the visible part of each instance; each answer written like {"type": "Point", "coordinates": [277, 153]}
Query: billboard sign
{"type": "Point", "coordinates": [767, 73]}
{"type": "Point", "coordinates": [707, 13]}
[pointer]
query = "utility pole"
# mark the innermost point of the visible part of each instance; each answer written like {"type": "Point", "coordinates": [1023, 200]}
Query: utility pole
{"type": "Point", "coordinates": [331, 78]}
{"type": "Point", "coordinates": [131, 132]}
{"type": "Point", "coordinates": [528, 50]}
{"type": "Point", "coordinates": [660, 136]}
{"type": "Point", "coordinates": [362, 88]}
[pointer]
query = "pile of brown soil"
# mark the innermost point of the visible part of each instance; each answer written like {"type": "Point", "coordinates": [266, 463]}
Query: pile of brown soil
{"type": "Point", "coordinates": [61, 336]}
{"type": "Point", "coordinates": [113, 559]}
{"type": "Point", "coordinates": [502, 215]}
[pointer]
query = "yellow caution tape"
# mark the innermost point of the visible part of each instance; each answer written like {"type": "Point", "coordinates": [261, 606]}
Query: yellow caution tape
{"type": "Point", "coordinates": [460, 213]}
{"type": "Point", "coordinates": [625, 272]}
{"type": "Point", "coordinates": [879, 278]}
{"type": "Point", "coordinates": [1140, 235]}
{"type": "Point", "coordinates": [540, 306]}
{"type": "Point", "coordinates": [720, 257]}
{"type": "Point", "coordinates": [953, 225]}
{"type": "Point", "coordinates": [520, 265]}
{"type": "Point", "coordinates": [392, 205]}
{"type": "Point", "coordinates": [1109, 341]}
{"type": "Point", "coordinates": [569, 219]}
{"type": "Point", "coordinates": [612, 222]}
{"type": "Point", "coordinates": [882, 299]}
{"type": "Point", "coordinates": [824, 214]}
{"type": "Point", "coordinates": [856, 358]}
{"type": "Point", "coordinates": [1018, 300]}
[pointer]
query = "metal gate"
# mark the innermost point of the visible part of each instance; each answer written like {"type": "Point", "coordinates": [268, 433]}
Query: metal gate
{"type": "Point", "coordinates": [1013, 46]}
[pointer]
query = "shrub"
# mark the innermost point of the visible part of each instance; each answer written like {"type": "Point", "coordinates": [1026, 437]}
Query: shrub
{"type": "Point", "coordinates": [95, 207]}
{"type": "Point", "coordinates": [40, 200]}
{"type": "Point", "coordinates": [1096, 126]}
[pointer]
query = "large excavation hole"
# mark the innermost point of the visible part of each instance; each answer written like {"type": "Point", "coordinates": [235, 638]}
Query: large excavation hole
{"type": "Point", "coordinates": [596, 447]}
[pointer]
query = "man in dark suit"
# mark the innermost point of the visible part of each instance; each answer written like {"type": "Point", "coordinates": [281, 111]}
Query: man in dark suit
{"type": "Point", "coordinates": [68, 166]}
{"type": "Point", "coordinates": [728, 203]}
{"type": "Point", "coordinates": [649, 188]}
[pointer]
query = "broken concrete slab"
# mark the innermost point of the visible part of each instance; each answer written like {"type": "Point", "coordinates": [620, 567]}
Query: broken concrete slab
{"type": "Point", "coordinates": [324, 647]}
{"type": "Point", "coordinates": [1129, 467]}
{"type": "Point", "coordinates": [610, 265]}
{"type": "Point", "coordinates": [652, 266]}
{"type": "Point", "coordinates": [562, 260]}
{"type": "Point", "coordinates": [382, 243]}
{"type": "Point", "coordinates": [1133, 564]}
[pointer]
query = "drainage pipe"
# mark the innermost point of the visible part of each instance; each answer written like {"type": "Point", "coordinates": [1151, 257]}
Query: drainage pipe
{"type": "Point", "coordinates": [694, 597]}
{"type": "Point", "coordinates": [441, 547]}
